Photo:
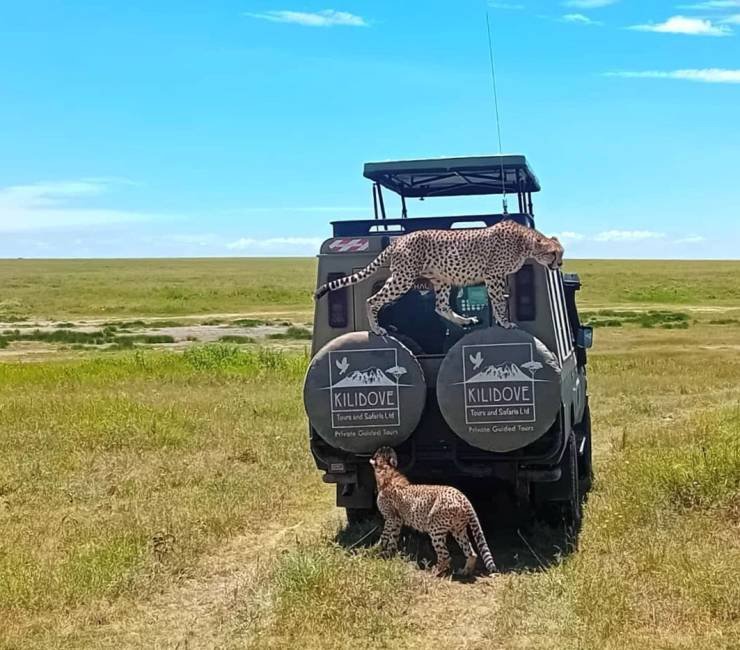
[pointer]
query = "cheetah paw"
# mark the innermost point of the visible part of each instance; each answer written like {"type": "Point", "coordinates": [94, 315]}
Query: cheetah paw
{"type": "Point", "coordinates": [379, 331]}
{"type": "Point", "coordinates": [509, 326]}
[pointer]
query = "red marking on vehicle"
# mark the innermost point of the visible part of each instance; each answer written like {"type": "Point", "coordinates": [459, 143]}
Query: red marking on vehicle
{"type": "Point", "coordinates": [349, 245]}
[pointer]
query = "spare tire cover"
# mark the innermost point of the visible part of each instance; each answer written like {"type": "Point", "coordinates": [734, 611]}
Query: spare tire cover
{"type": "Point", "coordinates": [364, 391]}
{"type": "Point", "coordinates": [499, 389]}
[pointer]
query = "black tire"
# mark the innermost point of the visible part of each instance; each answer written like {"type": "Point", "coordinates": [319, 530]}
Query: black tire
{"type": "Point", "coordinates": [565, 509]}
{"type": "Point", "coordinates": [585, 460]}
{"type": "Point", "coordinates": [574, 506]}
{"type": "Point", "coordinates": [359, 515]}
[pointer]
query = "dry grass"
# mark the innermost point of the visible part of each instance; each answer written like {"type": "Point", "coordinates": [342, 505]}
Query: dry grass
{"type": "Point", "coordinates": [318, 593]}
{"type": "Point", "coordinates": [128, 467]}
{"type": "Point", "coordinates": [135, 485]}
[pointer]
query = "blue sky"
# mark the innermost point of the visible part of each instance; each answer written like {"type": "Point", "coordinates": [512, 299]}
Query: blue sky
{"type": "Point", "coordinates": [240, 128]}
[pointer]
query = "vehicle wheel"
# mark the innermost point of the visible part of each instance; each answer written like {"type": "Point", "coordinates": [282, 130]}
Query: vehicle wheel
{"type": "Point", "coordinates": [574, 505]}
{"type": "Point", "coordinates": [558, 504]}
{"type": "Point", "coordinates": [585, 463]}
{"type": "Point", "coordinates": [358, 515]}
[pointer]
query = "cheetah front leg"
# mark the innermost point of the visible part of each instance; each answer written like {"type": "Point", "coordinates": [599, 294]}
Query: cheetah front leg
{"type": "Point", "coordinates": [442, 306]}
{"type": "Point", "coordinates": [496, 287]}
{"type": "Point", "coordinates": [393, 289]}
{"type": "Point", "coordinates": [391, 534]}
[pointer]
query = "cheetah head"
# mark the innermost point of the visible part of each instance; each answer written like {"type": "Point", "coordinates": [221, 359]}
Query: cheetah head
{"type": "Point", "coordinates": [384, 457]}
{"type": "Point", "coordinates": [548, 251]}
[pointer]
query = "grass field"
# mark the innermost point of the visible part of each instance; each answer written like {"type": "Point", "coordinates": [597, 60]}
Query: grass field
{"type": "Point", "coordinates": [64, 289]}
{"type": "Point", "coordinates": [152, 498]}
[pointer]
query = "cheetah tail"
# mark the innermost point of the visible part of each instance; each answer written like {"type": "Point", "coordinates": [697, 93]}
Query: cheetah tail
{"type": "Point", "coordinates": [361, 275]}
{"type": "Point", "coordinates": [480, 542]}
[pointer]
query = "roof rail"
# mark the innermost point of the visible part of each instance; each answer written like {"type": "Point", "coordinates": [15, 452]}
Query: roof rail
{"type": "Point", "coordinates": [359, 228]}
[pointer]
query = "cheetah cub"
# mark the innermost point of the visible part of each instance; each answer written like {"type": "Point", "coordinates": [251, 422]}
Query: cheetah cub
{"type": "Point", "coordinates": [433, 509]}
{"type": "Point", "coordinates": [447, 258]}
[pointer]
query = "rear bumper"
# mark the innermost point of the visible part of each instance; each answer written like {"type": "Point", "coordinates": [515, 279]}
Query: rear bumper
{"type": "Point", "coordinates": [434, 454]}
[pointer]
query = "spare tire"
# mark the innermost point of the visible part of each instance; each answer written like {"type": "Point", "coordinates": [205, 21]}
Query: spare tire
{"type": "Point", "coordinates": [364, 391]}
{"type": "Point", "coordinates": [499, 389]}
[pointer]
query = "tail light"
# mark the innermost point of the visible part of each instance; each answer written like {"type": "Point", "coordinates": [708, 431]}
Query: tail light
{"type": "Point", "coordinates": [337, 303]}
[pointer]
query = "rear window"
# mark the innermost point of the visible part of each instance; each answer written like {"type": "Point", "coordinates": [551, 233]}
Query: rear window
{"type": "Point", "coordinates": [526, 309]}
{"type": "Point", "coordinates": [337, 303]}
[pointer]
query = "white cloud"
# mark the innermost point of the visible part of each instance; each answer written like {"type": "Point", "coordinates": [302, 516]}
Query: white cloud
{"type": "Point", "coordinates": [628, 235]}
{"type": "Point", "coordinates": [734, 19]}
{"type": "Point", "coordinates": [249, 243]}
{"type": "Point", "coordinates": [708, 75]}
{"type": "Point", "coordinates": [569, 236]}
{"type": "Point", "coordinates": [580, 19]}
{"type": "Point", "coordinates": [685, 25]}
{"type": "Point", "coordinates": [690, 239]}
{"type": "Point", "coordinates": [59, 205]}
{"type": "Point", "coordinates": [589, 4]}
{"type": "Point", "coordinates": [325, 18]}
{"type": "Point", "coordinates": [713, 4]}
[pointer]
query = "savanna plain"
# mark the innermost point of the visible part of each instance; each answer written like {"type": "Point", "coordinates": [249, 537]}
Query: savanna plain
{"type": "Point", "coordinates": [156, 488]}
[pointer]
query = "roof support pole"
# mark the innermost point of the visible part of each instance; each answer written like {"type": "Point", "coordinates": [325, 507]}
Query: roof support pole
{"type": "Point", "coordinates": [404, 210]}
{"type": "Point", "coordinates": [380, 200]}
{"type": "Point", "coordinates": [375, 199]}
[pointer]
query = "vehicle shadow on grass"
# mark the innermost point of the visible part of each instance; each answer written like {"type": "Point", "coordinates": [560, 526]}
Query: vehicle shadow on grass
{"type": "Point", "coordinates": [516, 546]}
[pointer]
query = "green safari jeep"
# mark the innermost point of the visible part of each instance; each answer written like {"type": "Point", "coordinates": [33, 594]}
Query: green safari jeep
{"type": "Point", "coordinates": [483, 408]}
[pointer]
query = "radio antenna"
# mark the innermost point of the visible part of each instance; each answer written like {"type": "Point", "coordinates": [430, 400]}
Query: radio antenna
{"type": "Point", "coordinates": [495, 103]}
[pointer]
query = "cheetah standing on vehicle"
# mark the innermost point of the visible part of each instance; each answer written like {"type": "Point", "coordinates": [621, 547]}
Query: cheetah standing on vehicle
{"type": "Point", "coordinates": [433, 509]}
{"type": "Point", "coordinates": [460, 258]}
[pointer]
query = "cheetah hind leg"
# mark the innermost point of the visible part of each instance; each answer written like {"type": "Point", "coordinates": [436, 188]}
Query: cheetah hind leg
{"type": "Point", "coordinates": [466, 547]}
{"type": "Point", "coordinates": [439, 542]}
{"type": "Point", "coordinates": [442, 307]}
{"type": "Point", "coordinates": [496, 287]}
{"type": "Point", "coordinates": [391, 291]}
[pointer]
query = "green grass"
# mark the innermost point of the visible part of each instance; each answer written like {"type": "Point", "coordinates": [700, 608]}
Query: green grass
{"type": "Point", "coordinates": [293, 332]}
{"type": "Point", "coordinates": [126, 448]}
{"type": "Point", "coordinates": [249, 322]}
{"type": "Point", "coordinates": [318, 588]}
{"type": "Point", "coordinates": [68, 289]}
{"type": "Point", "coordinates": [236, 338]}
{"type": "Point", "coordinates": [658, 551]}
{"type": "Point", "coordinates": [650, 318]}
{"type": "Point", "coordinates": [124, 475]}
{"type": "Point", "coordinates": [641, 282]}
{"type": "Point", "coordinates": [98, 337]}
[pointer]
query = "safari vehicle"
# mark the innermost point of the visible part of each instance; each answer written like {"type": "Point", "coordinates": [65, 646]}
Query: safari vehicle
{"type": "Point", "coordinates": [483, 408]}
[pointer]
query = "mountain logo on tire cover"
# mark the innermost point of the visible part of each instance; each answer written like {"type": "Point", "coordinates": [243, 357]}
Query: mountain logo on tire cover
{"type": "Point", "coordinates": [364, 388]}
{"type": "Point", "coordinates": [499, 383]}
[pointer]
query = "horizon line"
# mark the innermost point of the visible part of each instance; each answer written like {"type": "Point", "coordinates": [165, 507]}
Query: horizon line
{"type": "Point", "coordinates": [308, 257]}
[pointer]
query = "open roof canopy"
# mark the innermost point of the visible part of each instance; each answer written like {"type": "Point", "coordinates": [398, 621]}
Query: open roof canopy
{"type": "Point", "coordinates": [455, 176]}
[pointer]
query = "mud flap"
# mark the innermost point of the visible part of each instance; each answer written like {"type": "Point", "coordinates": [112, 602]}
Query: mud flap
{"type": "Point", "coordinates": [499, 389]}
{"type": "Point", "coordinates": [364, 391]}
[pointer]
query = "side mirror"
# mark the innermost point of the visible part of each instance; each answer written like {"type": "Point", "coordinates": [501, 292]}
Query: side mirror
{"type": "Point", "coordinates": [585, 337]}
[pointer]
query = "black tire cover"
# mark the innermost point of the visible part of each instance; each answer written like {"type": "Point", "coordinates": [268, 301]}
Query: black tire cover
{"type": "Point", "coordinates": [499, 389]}
{"type": "Point", "coordinates": [364, 391]}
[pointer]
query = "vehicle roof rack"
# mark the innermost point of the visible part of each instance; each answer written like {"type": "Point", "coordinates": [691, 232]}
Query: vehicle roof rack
{"type": "Point", "coordinates": [396, 227]}
{"type": "Point", "coordinates": [467, 176]}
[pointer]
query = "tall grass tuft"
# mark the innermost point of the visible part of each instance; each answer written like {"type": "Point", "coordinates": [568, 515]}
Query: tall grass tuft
{"type": "Point", "coordinates": [316, 589]}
